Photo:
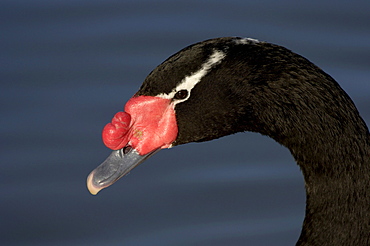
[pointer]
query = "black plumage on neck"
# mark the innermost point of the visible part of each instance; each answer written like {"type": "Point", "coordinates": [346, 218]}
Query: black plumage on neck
{"type": "Point", "coordinates": [266, 88]}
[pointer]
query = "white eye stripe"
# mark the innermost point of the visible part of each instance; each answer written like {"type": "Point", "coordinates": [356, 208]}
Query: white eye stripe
{"type": "Point", "coordinates": [190, 81]}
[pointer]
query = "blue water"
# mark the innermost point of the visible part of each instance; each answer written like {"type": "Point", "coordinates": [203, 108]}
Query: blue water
{"type": "Point", "coordinates": [67, 66]}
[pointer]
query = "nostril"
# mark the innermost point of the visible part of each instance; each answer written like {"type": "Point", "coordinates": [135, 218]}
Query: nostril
{"type": "Point", "coordinates": [126, 149]}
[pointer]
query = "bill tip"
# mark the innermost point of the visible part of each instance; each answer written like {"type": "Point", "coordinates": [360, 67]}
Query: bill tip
{"type": "Point", "coordinates": [90, 186]}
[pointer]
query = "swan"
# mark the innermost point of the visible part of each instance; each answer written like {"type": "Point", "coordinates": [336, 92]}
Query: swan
{"type": "Point", "coordinates": [227, 85]}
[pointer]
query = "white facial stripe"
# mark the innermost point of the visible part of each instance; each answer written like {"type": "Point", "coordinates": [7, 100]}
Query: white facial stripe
{"type": "Point", "coordinates": [190, 81]}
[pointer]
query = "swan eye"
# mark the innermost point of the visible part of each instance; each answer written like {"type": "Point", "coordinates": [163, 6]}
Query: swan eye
{"type": "Point", "coordinates": [182, 94]}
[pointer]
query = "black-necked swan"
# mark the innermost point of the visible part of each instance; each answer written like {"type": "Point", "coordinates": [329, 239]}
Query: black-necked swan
{"type": "Point", "coordinates": [226, 85]}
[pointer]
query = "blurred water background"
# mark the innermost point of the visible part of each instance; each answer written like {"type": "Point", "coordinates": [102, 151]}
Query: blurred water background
{"type": "Point", "coordinates": [67, 66]}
